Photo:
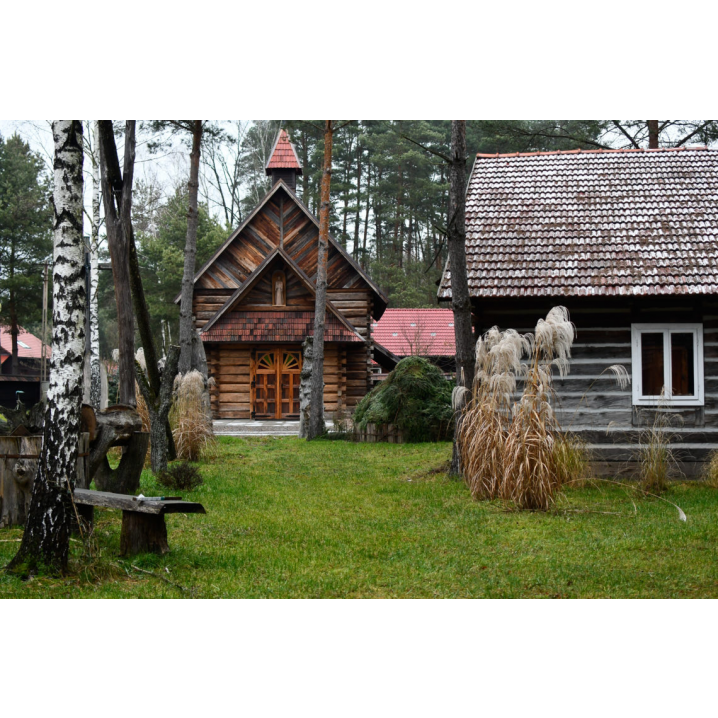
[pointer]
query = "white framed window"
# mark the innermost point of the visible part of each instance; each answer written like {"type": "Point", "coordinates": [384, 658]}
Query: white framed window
{"type": "Point", "coordinates": [670, 356]}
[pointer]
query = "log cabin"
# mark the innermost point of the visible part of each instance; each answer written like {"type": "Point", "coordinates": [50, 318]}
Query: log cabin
{"type": "Point", "coordinates": [253, 305]}
{"type": "Point", "coordinates": [626, 240]}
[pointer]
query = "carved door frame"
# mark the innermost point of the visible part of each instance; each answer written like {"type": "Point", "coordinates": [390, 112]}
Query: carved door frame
{"type": "Point", "coordinates": [274, 382]}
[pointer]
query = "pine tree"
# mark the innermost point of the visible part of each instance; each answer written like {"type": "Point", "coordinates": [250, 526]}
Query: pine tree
{"type": "Point", "coordinates": [25, 236]}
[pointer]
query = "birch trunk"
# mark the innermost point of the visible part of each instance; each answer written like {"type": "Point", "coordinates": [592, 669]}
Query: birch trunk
{"type": "Point", "coordinates": [460, 299]}
{"type": "Point", "coordinates": [316, 410]}
{"type": "Point", "coordinates": [186, 325]}
{"type": "Point", "coordinates": [46, 540]}
{"type": "Point", "coordinates": [95, 371]}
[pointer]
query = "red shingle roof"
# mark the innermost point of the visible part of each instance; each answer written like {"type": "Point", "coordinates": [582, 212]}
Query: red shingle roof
{"type": "Point", "coordinates": [28, 345]}
{"type": "Point", "coordinates": [427, 332]}
{"type": "Point", "coordinates": [275, 327]}
{"type": "Point", "coordinates": [284, 155]}
{"type": "Point", "coordinates": [592, 223]}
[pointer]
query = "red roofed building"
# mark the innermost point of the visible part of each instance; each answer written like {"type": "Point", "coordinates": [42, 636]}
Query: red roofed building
{"type": "Point", "coordinates": [253, 304]}
{"type": "Point", "coordinates": [25, 376]}
{"type": "Point", "coordinates": [418, 332]}
{"type": "Point", "coordinates": [627, 240]}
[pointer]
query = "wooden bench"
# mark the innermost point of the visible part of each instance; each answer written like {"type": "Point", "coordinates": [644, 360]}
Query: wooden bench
{"type": "Point", "coordinates": [143, 520]}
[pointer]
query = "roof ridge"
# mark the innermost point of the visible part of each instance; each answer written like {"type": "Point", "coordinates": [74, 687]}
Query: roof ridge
{"type": "Point", "coordinates": [591, 152]}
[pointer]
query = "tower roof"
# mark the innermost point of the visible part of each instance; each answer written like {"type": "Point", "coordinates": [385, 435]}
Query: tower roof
{"type": "Point", "coordinates": [284, 156]}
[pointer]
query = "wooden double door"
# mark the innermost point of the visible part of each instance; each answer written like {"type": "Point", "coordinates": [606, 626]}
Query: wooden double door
{"type": "Point", "coordinates": [275, 383]}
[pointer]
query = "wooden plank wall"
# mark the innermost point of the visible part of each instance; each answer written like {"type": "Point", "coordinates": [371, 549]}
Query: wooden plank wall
{"type": "Point", "coordinates": [281, 221]}
{"type": "Point", "coordinates": [228, 366]}
{"type": "Point", "coordinates": [345, 378]}
{"type": "Point", "coordinates": [207, 302]}
{"type": "Point", "coordinates": [591, 404]}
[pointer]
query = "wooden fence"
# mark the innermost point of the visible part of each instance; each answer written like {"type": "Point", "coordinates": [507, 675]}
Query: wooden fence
{"type": "Point", "coordinates": [18, 464]}
{"type": "Point", "coordinates": [379, 432]}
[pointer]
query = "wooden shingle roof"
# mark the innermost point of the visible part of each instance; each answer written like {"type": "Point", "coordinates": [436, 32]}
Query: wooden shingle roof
{"type": "Point", "coordinates": [283, 156]}
{"type": "Point", "coordinates": [592, 223]}
{"type": "Point", "coordinates": [289, 326]}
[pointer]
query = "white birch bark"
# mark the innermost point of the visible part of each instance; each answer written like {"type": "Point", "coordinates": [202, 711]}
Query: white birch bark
{"type": "Point", "coordinates": [95, 372]}
{"type": "Point", "coordinates": [47, 534]}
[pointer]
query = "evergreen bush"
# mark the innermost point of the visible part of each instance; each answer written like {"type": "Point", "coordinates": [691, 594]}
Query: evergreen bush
{"type": "Point", "coordinates": [415, 397]}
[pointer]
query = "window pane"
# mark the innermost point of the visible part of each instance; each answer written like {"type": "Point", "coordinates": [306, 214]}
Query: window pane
{"type": "Point", "coordinates": [652, 363]}
{"type": "Point", "coordinates": [682, 364]}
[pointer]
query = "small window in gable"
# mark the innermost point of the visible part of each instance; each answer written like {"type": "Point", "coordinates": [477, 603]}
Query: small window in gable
{"type": "Point", "coordinates": [279, 289]}
{"type": "Point", "coordinates": [667, 357]}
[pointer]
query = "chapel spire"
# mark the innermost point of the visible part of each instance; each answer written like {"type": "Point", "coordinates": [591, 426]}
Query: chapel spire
{"type": "Point", "coordinates": [284, 162]}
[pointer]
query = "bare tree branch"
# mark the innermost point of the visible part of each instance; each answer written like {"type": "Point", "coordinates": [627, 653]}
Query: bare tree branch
{"type": "Point", "coordinates": [625, 132]}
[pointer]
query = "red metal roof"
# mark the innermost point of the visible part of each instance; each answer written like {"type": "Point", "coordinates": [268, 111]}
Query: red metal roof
{"type": "Point", "coordinates": [284, 155]}
{"type": "Point", "coordinates": [275, 327]}
{"type": "Point", "coordinates": [28, 345]}
{"type": "Point", "coordinates": [592, 223]}
{"type": "Point", "coordinates": [426, 332]}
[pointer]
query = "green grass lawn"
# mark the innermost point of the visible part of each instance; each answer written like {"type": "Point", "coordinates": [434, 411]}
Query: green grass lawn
{"type": "Point", "coordinates": [290, 519]}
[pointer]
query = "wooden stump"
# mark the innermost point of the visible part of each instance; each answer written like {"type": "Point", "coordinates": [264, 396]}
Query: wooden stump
{"type": "Point", "coordinates": [143, 533]}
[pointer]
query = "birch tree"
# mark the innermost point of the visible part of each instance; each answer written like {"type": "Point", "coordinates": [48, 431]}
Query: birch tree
{"type": "Point", "coordinates": [93, 150]}
{"type": "Point", "coordinates": [45, 543]}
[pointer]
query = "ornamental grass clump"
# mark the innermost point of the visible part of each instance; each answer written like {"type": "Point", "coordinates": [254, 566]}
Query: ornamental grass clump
{"type": "Point", "coordinates": [509, 448]}
{"type": "Point", "coordinates": [415, 398]}
{"type": "Point", "coordinates": [191, 419]}
{"type": "Point", "coordinates": [657, 462]}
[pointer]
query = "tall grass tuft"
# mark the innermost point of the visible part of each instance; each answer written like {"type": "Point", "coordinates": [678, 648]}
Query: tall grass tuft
{"type": "Point", "coordinates": [191, 419]}
{"type": "Point", "coordinates": [573, 460]}
{"type": "Point", "coordinates": [510, 450]}
{"type": "Point", "coordinates": [145, 416]}
{"type": "Point", "coordinates": [658, 463]}
{"type": "Point", "coordinates": [142, 409]}
{"type": "Point", "coordinates": [710, 477]}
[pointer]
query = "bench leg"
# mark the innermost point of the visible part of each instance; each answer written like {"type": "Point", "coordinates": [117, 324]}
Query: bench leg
{"type": "Point", "coordinates": [143, 533]}
{"type": "Point", "coordinates": [86, 515]}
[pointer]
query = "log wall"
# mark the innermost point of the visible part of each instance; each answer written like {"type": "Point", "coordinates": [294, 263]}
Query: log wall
{"type": "Point", "coordinates": [231, 395]}
{"type": "Point", "coordinates": [590, 404]}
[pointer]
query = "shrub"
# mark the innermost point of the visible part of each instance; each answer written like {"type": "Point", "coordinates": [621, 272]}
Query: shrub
{"type": "Point", "coordinates": [415, 397]}
{"type": "Point", "coordinates": [573, 460]}
{"type": "Point", "coordinates": [144, 413]}
{"type": "Point", "coordinates": [180, 476]}
{"type": "Point", "coordinates": [658, 464]}
{"type": "Point", "coordinates": [191, 419]}
{"type": "Point", "coordinates": [711, 473]}
{"type": "Point", "coordinates": [513, 450]}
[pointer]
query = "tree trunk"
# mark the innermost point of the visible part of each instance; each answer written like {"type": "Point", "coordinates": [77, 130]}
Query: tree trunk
{"type": "Point", "coordinates": [13, 315]}
{"type": "Point", "coordinates": [186, 326]}
{"type": "Point", "coordinates": [159, 408]}
{"type": "Point", "coordinates": [305, 388]}
{"type": "Point", "coordinates": [305, 169]}
{"type": "Point", "coordinates": [357, 219]}
{"type": "Point", "coordinates": [95, 371]}
{"type": "Point", "coordinates": [14, 331]}
{"type": "Point", "coordinates": [652, 134]}
{"type": "Point", "coordinates": [366, 216]}
{"type": "Point", "coordinates": [46, 540]}
{"type": "Point", "coordinates": [117, 200]}
{"type": "Point", "coordinates": [460, 299]}
{"type": "Point", "coordinates": [316, 411]}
